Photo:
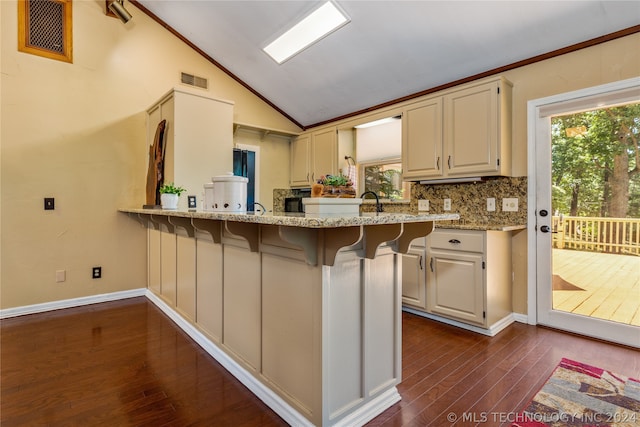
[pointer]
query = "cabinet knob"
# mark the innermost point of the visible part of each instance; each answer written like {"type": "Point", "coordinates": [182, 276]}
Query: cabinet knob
{"type": "Point", "coordinates": [455, 241]}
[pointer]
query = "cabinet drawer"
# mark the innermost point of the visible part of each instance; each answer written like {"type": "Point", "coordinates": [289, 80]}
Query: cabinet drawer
{"type": "Point", "coordinates": [468, 241]}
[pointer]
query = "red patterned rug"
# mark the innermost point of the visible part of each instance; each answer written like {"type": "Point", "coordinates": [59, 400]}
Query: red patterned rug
{"type": "Point", "coordinates": [581, 395]}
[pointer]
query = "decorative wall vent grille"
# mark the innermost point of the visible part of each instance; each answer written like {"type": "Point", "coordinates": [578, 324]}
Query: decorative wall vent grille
{"type": "Point", "coordinates": [44, 28]}
{"type": "Point", "coordinates": [191, 80]}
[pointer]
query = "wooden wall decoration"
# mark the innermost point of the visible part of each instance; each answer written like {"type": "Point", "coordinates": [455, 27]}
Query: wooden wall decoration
{"type": "Point", "coordinates": [155, 171]}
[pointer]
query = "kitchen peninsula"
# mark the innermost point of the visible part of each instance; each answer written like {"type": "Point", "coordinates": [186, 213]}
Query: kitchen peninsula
{"type": "Point", "coordinates": [305, 311]}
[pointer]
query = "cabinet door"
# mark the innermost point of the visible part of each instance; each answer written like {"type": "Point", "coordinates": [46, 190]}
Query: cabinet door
{"type": "Point", "coordinates": [471, 130]}
{"type": "Point", "coordinates": [455, 286]}
{"type": "Point", "coordinates": [414, 279]}
{"type": "Point", "coordinates": [422, 140]}
{"type": "Point", "coordinates": [324, 153]}
{"type": "Point", "coordinates": [300, 153]}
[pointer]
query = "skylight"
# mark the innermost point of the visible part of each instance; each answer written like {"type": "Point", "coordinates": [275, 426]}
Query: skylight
{"type": "Point", "coordinates": [321, 22]}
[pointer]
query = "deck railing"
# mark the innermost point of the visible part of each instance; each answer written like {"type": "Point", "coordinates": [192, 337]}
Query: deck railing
{"type": "Point", "coordinates": [612, 235]}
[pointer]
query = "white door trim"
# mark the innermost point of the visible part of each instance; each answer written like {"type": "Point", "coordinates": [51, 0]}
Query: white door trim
{"type": "Point", "coordinates": [579, 100]}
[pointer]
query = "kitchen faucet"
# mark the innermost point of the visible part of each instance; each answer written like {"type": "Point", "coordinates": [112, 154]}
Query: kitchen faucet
{"type": "Point", "coordinates": [378, 204]}
{"type": "Point", "coordinates": [259, 204]}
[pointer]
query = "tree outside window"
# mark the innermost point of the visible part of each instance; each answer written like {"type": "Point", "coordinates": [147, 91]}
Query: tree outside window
{"type": "Point", "coordinates": [384, 179]}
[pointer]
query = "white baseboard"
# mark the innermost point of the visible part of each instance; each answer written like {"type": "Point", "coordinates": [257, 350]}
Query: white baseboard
{"type": "Point", "coordinates": [371, 410]}
{"type": "Point", "coordinates": [493, 330]}
{"type": "Point", "coordinates": [68, 303]}
{"type": "Point", "coordinates": [521, 318]}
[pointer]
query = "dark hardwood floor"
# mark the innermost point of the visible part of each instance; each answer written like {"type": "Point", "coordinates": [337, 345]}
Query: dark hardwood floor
{"type": "Point", "coordinates": [125, 363]}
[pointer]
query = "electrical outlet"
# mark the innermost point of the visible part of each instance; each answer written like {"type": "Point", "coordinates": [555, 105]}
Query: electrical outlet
{"type": "Point", "coordinates": [96, 272]}
{"type": "Point", "coordinates": [49, 203]}
{"type": "Point", "coordinates": [191, 202]}
{"type": "Point", "coordinates": [423, 205]}
{"type": "Point", "coordinates": [447, 204]}
{"type": "Point", "coordinates": [510, 205]}
{"type": "Point", "coordinates": [61, 276]}
{"type": "Point", "coordinates": [491, 204]}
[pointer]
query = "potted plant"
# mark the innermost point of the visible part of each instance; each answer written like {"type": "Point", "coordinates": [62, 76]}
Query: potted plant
{"type": "Point", "coordinates": [169, 195]}
{"type": "Point", "coordinates": [337, 186]}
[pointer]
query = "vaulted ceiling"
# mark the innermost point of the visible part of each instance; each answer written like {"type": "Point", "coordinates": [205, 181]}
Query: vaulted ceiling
{"type": "Point", "coordinates": [389, 50]}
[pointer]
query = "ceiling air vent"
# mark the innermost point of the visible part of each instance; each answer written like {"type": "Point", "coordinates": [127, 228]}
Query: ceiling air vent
{"type": "Point", "coordinates": [191, 80]}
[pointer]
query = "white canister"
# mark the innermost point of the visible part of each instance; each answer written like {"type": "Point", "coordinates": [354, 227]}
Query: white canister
{"type": "Point", "coordinates": [226, 193]}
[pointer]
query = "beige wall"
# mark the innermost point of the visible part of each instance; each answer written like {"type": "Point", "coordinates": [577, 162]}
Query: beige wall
{"type": "Point", "coordinates": [76, 132]}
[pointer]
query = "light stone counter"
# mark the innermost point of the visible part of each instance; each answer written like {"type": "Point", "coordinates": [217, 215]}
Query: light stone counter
{"type": "Point", "coordinates": [305, 311]}
{"type": "Point", "coordinates": [301, 219]}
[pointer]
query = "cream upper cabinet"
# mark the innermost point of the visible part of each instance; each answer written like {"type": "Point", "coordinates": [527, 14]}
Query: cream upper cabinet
{"type": "Point", "coordinates": [324, 153]}
{"type": "Point", "coordinates": [299, 161]}
{"type": "Point", "coordinates": [198, 138]}
{"type": "Point", "coordinates": [469, 275]}
{"type": "Point", "coordinates": [464, 132]}
{"type": "Point", "coordinates": [313, 155]}
{"type": "Point", "coordinates": [422, 140]}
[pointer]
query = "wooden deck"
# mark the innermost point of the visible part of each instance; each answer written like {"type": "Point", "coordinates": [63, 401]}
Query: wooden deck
{"type": "Point", "coordinates": [605, 286]}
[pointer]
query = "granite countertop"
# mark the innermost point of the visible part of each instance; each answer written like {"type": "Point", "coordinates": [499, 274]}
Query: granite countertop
{"type": "Point", "coordinates": [300, 219]}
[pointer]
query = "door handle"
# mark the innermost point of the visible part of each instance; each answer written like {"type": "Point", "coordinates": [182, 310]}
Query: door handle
{"type": "Point", "coordinates": [454, 241]}
{"type": "Point", "coordinates": [431, 264]}
{"type": "Point", "coordinates": [545, 229]}
{"type": "Point", "coordinates": [420, 262]}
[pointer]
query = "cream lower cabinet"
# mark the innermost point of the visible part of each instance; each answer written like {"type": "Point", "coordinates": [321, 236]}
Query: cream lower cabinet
{"type": "Point", "coordinates": [469, 275]}
{"type": "Point", "coordinates": [414, 275]}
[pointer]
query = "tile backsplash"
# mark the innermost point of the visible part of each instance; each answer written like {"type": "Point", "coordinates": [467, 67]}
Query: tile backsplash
{"type": "Point", "coordinates": [469, 200]}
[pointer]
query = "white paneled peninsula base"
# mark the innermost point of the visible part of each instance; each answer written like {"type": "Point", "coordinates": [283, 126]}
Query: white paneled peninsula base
{"type": "Point", "coordinates": [306, 312]}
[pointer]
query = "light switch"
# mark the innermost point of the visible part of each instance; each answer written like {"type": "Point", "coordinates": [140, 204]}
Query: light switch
{"type": "Point", "coordinates": [61, 276]}
{"type": "Point", "coordinates": [491, 204]}
{"type": "Point", "coordinates": [423, 205]}
{"type": "Point", "coordinates": [447, 204]}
